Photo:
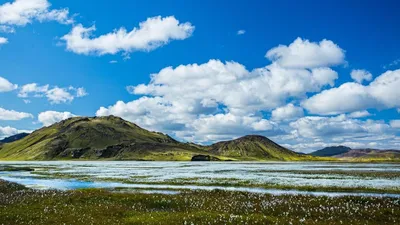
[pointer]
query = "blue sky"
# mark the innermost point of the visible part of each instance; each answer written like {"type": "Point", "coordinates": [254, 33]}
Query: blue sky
{"type": "Point", "coordinates": [301, 95]}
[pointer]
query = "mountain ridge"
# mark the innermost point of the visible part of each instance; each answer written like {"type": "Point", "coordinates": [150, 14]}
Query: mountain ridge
{"type": "Point", "coordinates": [344, 152]}
{"type": "Point", "coordinates": [13, 138]}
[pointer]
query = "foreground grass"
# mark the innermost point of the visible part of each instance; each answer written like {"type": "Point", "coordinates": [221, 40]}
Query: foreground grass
{"type": "Point", "coordinates": [19, 205]}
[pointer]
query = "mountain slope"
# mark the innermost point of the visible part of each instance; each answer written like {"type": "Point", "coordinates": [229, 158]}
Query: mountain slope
{"type": "Point", "coordinates": [254, 147]}
{"type": "Point", "coordinates": [331, 151]}
{"type": "Point", "coordinates": [13, 138]}
{"type": "Point", "coordinates": [94, 138]}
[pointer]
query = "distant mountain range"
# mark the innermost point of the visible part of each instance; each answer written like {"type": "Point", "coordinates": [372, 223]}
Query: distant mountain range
{"type": "Point", "coordinates": [112, 138]}
{"type": "Point", "coordinates": [343, 152]}
{"type": "Point", "coordinates": [13, 138]}
{"type": "Point", "coordinates": [331, 151]}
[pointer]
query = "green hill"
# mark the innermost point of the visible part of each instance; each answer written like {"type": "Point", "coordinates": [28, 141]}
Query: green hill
{"type": "Point", "coordinates": [112, 138]}
{"type": "Point", "coordinates": [254, 147]}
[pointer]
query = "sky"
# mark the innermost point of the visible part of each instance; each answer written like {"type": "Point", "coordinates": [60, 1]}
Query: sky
{"type": "Point", "coordinates": [306, 75]}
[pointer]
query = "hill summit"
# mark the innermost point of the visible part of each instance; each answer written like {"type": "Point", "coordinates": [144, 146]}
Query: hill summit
{"type": "Point", "coordinates": [253, 147]}
{"type": "Point", "coordinates": [113, 138]}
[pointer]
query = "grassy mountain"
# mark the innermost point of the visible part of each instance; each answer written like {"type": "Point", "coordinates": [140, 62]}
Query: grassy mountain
{"type": "Point", "coordinates": [331, 151]}
{"type": "Point", "coordinates": [96, 138]}
{"type": "Point", "coordinates": [254, 147]}
{"type": "Point", "coordinates": [113, 138]}
{"type": "Point", "coordinates": [13, 138]}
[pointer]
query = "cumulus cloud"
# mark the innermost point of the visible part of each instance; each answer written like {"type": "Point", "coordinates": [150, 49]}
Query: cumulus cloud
{"type": "Point", "coordinates": [395, 123]}
{"type": "Point", "coordinates": [224, 92]}
{"type": "Point", "coordinates": [81, 92]}
{"type": "Point", "coordinates": [3, 40]}
{"type": "Point", "coordinates": [382, 93]}
{"type": "Point", "coordinates": [151, 34]}
{"type": "Point", "coordinates": [7, 29]}
{"type": "Point", "coordinates": [359, 114]}
{"type": "Point", "coordinates": [233, 86]}
{"type": "Point", "coordinates": [211, 128]}
{"type": "Point", "coordinates": [305, 54]}
{"type": "Point", "coordinates": [315, 126]}
{"type": "Point", "coordinates": [13, 115]}
{"type": "Point", "coordinates": [315, 132]}
{"type": "Point", "coordinates": [48, 118]}
{"type": "Point", "coordinates": [34, 88]}
{"type": "Point", "coordinates": [360, 75]}
{"type": "Point", "coordinates": [287, 112]}
{"type": "Point", "coordinates": [55, 95]}
{"type": "Point", "coordinates": [6, 85]}
{"type": "Point", "coordinates": [241, 32]}
{"type": "Point", "coordinates": [59, 95]}
{"type": "Point", "coordinates": [224, 100]}
{"type": "Point", "coordinates": [22, 12]}
{"type": "Point", "coordinates": [9, 131]}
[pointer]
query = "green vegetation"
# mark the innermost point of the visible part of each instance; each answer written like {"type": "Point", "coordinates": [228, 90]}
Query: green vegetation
{"type": "Point", "coordinates": [112, 138]}
{"type": "Point", "coordinates": [25, 206]}
{"type": "Point", "coordinates": [255, 147]}
{"type": "Point", "coordinates": [13, 168]}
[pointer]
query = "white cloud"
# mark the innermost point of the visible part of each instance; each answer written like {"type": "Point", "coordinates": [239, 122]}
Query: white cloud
{"type": "Point", "coordinates": [59, 95]}
{"type": "Point", "coordinates": [287, 112]}
{"type": "Point", "coordinates": [218, 127]}
{"type": "Point", "coordinates": [230, 84]}
{"type": "Point", "coordinates": [6, 85]}
{"type": "Point", "coordinates": [339, 126]}
{"type": "Point", "coordinates": [217, 90]}
{"type": "Point", "coordinates": [22, 12]}
{"type": "Point", "coordinates": [7, 29]}
{"type": "Point", "coordinates": [313, 132]}
{"type": "Point", "coordinates": [395, 123]}
{"type": "Point", "coordinates": [241, 32]}
{"type": "Point", "coordinates": [81, 92]}
{"type": "Point", "coordinates": [151, 34]}
{"type": "Point", "coordinates": [55, 95]}
{"type": "Point", "coordinates": [13, 115]}
{"type": "Point", "coordinates": [331, 101]}
{"type": "Point", "coordinates": [113, 61]}
{"type": "Point", "coordinates": [9, 131]}
{"type": "Point", "coordinates": [382, 93]}
{"type": "Point", "coordinates": [50, 117]}
{"type": "Point", "coordinates": [3, 40]}
{"type": "Point", "coordinates": [26, 89]}
{"type": "Point", "coordinates": [359, 114]}
{"type": "Point", "coordinates": [305, 54]}
{"type": "Point", "coordinates": [360, 75]}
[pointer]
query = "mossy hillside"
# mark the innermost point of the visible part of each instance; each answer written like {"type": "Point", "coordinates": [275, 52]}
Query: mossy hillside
{"type": "Point", "coordinates": [255, 147]}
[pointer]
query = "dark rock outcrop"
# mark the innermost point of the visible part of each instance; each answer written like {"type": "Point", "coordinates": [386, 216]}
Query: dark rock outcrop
{"type": "Point", "coordinates": [205, 158]}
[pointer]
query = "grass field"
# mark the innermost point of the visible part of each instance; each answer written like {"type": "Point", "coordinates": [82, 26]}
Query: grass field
{"type": "Point", "coordinates": [19, 205]}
